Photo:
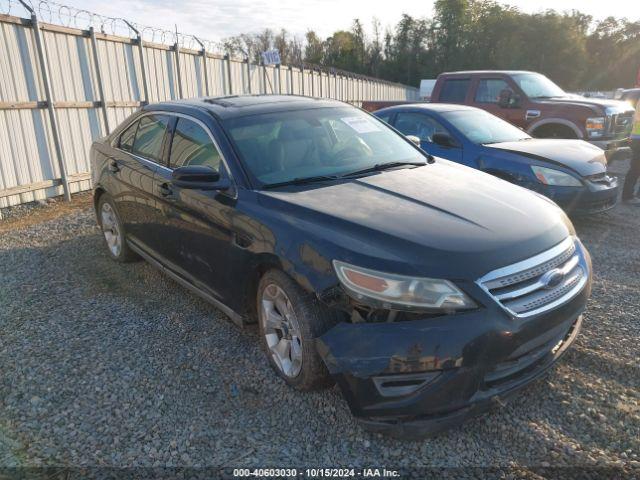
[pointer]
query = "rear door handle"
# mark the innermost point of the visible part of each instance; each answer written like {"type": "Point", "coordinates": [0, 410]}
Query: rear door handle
{"type": "Point", "coordinates": [113, 166]}
{"type": "Point", "coordinates": [165, 190]}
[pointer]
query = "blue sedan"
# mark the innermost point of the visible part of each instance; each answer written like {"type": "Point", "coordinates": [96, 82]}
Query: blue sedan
{"type": "Point", "coordinates": [573, 173]}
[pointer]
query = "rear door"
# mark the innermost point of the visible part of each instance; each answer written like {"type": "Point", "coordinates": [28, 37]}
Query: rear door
{"type": "Point", "coordinates": [134, 164]}
{"type": "Point", "coordinates": [454, 90]}
{"type": "Point", "coordinates": [139, 156]}
{"type": "Point", "coordinates": [423, 126]}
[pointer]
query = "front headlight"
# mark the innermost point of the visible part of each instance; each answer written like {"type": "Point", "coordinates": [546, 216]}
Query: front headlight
{"type": "Point", "coordinates": [391, 291]}
{"type": "Point", "coordinates": [595, 126]}
{"type": "Point", "coordinates": [551, 176]}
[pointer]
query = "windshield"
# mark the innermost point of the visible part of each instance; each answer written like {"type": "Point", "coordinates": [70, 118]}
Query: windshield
{"type": "Point", "coordinates": [285, 146]}
{"type": "Point", "coordinates": [482, 127]}
{"type": "Point", "coordinates": [535, 85]}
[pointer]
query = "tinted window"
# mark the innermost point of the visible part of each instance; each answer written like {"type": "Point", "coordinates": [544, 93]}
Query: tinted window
{"type": "Point", "coordinates": [279, 147]}
{"type": "Point", "coordinates": [454, 90]}
{"type": "Point", "coordinates": [192, 145]}
{"type": "Point", "coordinates": [128, 136]}
{"type": "Point", "coordinates": [418, 124]}
{"type": "Point", "coordinates": [490, 90]}
{"type": "Point", "coordinates": [384, 116]}
{"type": "Point", "coordinates": [149, 137]}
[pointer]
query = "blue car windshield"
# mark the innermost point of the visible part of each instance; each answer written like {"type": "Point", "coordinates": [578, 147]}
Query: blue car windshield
{"type": "Point", "coordinates": [483, 128]}
{"type": "Point", "coordinates": [302, 144]}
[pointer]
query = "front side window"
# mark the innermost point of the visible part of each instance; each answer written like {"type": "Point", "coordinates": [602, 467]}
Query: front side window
{"type": "Point", "coordinates": [418, 124]}
{"type": "Point", "coordinates": [286, 146]}
{"type": "Point", "coordinates": [150, 137]}
{"type": "Point", "coordinates": [491, 90]}
{"type": "Point", "coordinates": [454, 90]}
{"type": "Point", "coordinates": [482, 127]}
{"type": "Point", "coordinates": [192, 145]}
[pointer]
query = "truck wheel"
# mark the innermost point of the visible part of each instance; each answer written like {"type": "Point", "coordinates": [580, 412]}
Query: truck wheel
{"type": "Point", "coordinates": [554, 131]}
{"type": "Point", "coordinates": [290, 319]}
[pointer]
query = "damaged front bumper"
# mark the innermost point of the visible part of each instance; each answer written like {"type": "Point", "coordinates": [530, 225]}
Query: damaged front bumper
{"type": "Point", "coordinates": [416, 378]}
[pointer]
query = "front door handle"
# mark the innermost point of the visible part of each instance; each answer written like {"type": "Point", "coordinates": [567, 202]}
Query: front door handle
{"type": "Point", "coordinates": [165, 190]}
{"type": "Point", "coordinates": [113, 166]}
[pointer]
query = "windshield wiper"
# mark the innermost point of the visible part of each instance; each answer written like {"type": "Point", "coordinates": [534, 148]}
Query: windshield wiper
{"type": "Point", "coordinates": [381, 166]}
{"type": "Point", "coordinates": [302, 181]}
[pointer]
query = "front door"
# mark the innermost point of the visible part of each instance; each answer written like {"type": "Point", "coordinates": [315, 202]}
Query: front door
{"type": "Point", "coordinates": [197, 223]}
{"type": "Point", "coordinates": [424, 126]}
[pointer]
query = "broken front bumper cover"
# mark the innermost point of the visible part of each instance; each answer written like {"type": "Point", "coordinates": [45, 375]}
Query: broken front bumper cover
{"type": "Point", "coordinates": [413, 379]}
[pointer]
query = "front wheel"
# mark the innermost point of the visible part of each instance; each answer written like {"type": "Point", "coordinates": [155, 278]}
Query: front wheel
{"type": "Point", "coordinates": [290, 319]}
{"type": "Point", "coordinates": [113, 231]}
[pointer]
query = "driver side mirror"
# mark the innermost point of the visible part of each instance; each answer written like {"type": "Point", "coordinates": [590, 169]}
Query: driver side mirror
{"type": "Point", "coordinates": [415, 140]}
{"type": "Point", "coordinates": [197, 177]}
{"type": "Point", "coordinates": [444, 140]}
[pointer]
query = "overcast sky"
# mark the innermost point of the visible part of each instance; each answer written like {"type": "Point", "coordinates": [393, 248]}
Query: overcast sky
{"type": "Point", "coordinates": [222, 18]}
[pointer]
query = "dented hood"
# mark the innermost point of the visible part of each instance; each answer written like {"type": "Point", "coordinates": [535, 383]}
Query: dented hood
{"type": "Point", "coordinates": [439, 219]}
{"type": "Point", "coordinates": [578, 155]}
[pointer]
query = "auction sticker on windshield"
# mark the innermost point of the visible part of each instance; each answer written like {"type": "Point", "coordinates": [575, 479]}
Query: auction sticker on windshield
{"type": "Point", "coordinates": [361, 124]}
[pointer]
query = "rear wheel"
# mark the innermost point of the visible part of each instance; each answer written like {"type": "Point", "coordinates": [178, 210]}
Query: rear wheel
{"type": "Point", "coordinates": [290, 319]}
{"type": "Point", "coordinates": [113, 231]}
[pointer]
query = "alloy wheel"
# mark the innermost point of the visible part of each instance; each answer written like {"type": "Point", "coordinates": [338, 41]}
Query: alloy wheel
{"type": "Point", "coordinates": [111, 229]}
{"type": "Point", "coordinates": [281, 330]}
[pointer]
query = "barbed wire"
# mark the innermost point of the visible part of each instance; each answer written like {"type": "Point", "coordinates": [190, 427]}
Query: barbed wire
{"type": "Point", "coordinates": [50, 11]}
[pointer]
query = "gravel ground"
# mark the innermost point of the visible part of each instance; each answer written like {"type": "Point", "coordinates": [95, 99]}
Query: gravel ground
{"type": "Point", "coordinates": [106, 364]}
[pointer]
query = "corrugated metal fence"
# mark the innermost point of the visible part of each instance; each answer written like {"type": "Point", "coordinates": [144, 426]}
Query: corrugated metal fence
{"type": "Point", "coordinates": [62, 87]}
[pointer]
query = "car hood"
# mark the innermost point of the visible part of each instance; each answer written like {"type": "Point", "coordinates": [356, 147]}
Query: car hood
{"type": "Point", "coordinates": [578, 155]}
{"type": "Point", "coordinates": [442, 219]}
{"type": "Point", "coordinates": [597, 105]}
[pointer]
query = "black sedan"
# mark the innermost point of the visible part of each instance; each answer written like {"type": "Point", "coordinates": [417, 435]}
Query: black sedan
{"type": "Point", "coordinates": [424, 288]}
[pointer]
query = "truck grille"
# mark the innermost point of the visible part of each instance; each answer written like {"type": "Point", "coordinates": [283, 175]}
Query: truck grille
{"type": "Point", "coordinates": [540, 283]}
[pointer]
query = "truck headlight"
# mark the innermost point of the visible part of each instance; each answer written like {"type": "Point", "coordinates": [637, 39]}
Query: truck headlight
{"type": "Point", "coordinates": [551, 176]}
{"type": "Point", "coordinates": [595, 126]}
{"type": "Point", "coordinates": [388, 290]}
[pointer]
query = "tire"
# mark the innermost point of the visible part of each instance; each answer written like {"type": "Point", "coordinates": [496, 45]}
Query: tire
{"type": "Point", "coordinates": [305, 320]}
{"type": "Point", "coordinates": [113, 231]}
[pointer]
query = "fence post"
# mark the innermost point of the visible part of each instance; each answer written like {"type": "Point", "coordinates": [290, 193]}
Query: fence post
{"type": "Point", "coordinates": [203, 54]}
{"type": "Point", "coordinates": [44, 69]}
{"type": "Point", "coordinates": [279, 80]}
{"type": "Point", "coordinates": [96, 61]}
{"type": "Point", "coordinates": [176, 50]}
{"type": "Point", "coordinates": [227, 57]}
{"type": "Point", "coordinates": [248, 75]}
{"type": "Point", "coordinates": [291, 92]}
{"type": "Point", "coordinates": [302, 79]}
{"type": "Point", "coordinates": [143, 69]}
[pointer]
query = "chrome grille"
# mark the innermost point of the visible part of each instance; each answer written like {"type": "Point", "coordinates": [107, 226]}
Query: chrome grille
{"type": "Point", "coordinates": [620, 124]}
{"type": "Point", "coordinates": [540, 283]}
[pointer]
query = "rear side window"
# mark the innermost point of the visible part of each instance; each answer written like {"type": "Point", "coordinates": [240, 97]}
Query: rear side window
{"type": "Point", "coordinates": [385, 117]}
{"type": "Point", "coordinates": [491, 89]}
{"type": "Point", "coordinates": [150, 137]}
{"type": "Point", "coordinates": [192, 145]}
{"type": "Point", "coordinates": [128, 136]}
{"type": "Point", "coordinates": [454, 90]}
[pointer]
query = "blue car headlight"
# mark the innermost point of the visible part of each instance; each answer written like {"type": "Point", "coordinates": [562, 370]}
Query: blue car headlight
{"type": "Point", "coordinates": [553, 177]}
